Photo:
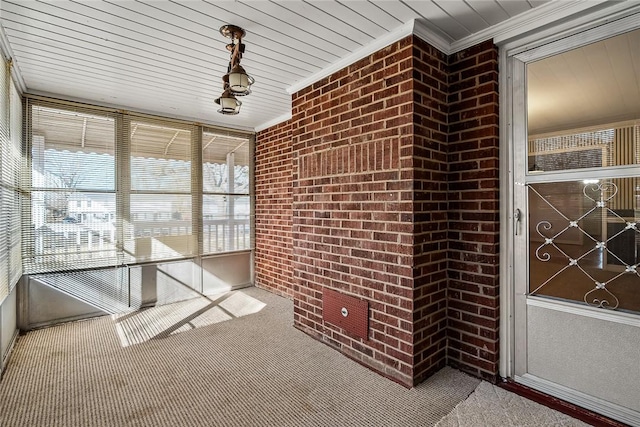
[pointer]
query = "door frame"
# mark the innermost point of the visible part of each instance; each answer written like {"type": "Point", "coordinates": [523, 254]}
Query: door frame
{"type": "Point", "coordinates": [515, 52]}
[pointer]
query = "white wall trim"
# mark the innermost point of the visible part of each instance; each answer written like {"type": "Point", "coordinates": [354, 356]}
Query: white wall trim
{"type": "Point", "coordinates": [603, 407]}
{"type": "Point", "coordinates": [541, 16]}
{"type": "Point", "coordinates": [518, 25]}
{"type": "Point", "coordinates": [626, 20]}
{"type": "Point", "coordinates": [528, 21]}
{"type": "Point", "coordinates": [273, 122]}
{"type": "Point", "coordinates": [7, 354]}
{"type": "Point", "coordinates": [507, 302]}
{"type": "Point", "coordinates": [442, 43]}
{"type": "Point", "coordinates": [5, 50]}
{"type": "Point", "coordinates": [356, 55]}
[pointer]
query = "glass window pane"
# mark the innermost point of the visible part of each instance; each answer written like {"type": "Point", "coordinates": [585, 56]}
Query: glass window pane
{"type": "Point", "coordinates": [10, 184]}
{"type": "Point", "coordinates": [6, 179]}
{"type": "Point", "coordinates": [74, 205]}
{"type": "Point", "coordinates": [72, 150]}
{"type": "Point", "coordinates": [4, 255]}
{"type": "Point", "coordinates": [585, 242]}
{"type": "Point", "coordinates": [226, 223]}
{"type": "Point", "coordinates": [65, 233]}
{"type": "Point", "coordinates": [594, 149]}
{"type": "Point", "coordinates": [583, 107]}
{"type": "Point", "coordinates": [160, 158]}
{"type": "Point", "coordinates": [148, 215]}
{"type": "Point", "coordinates": [160, 228]}
{"type": "Point", "coordinates": [225, 163]}
{"type": "Point", "coordinates": [160, 219]}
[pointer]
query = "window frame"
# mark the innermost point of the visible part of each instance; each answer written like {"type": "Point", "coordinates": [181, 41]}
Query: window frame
{"type": "Point", "coordinates": [124, 191]}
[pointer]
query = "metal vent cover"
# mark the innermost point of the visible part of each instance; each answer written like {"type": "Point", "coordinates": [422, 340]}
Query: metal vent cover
{"type": "Point", "coordinates": [347, 312]}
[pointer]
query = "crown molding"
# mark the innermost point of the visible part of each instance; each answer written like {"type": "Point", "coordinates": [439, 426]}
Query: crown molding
{"type": "Point", "coordinates": [549, 14]}
{"type": "Point", "coordinates": [273, 122]}
{"type": "Point", "coordinates": [5, 48]}
{"type": "Point", "coordinates": [412, 27]}
{"type": "Point", "coordinates": [433, 36]}
{"type": "Point", "coordinates": [530, 20]}
{"type": "Point", "coordinates": [545, 15]}
{"type": "Point", "coordinates": [540, 16]}
{"type": "Point", "coordinates": [364, 51]}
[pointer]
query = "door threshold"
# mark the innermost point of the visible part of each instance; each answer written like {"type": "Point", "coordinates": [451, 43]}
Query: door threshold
{"type": "Point", "coordinates": [559, 405]}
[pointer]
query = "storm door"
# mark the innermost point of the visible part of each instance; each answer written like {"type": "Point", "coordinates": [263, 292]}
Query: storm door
{"type": "Point", "coordinates": [576, 231]}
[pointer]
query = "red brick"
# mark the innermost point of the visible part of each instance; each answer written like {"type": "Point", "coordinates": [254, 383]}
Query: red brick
{"type": "Point", "coordinates": [384, 185]}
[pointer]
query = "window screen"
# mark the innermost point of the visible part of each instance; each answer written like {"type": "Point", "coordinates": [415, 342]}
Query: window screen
{"type": "Point", "coordinates": [226, 176]}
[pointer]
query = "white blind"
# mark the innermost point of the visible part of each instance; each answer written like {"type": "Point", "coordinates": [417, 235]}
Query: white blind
{"type": "Point", "coordinates": [160, 222]}
{"type": "Point", "coordinates": [14, 203]}
{"type": "Point", "coordinates": [72, 199]}
{"type": "Point", "coordinates": [110, 188]}
{"type": "Point", "coordinates": [104, 288]}
{"type": "Point", "coordinates": [10, 172]}
{"type": "Point", "coordinates": [5, 175]}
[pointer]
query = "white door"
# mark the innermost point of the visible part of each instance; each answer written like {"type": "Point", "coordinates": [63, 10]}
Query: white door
{"type": "Point", "coordinates": [576, 236]}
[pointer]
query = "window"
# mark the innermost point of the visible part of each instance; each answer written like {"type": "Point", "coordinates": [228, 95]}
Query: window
{"type": "Point", "coordinates": [73, 168]}
{"type": "Point", "coordinates": [226, 207]}
{"type": "Point", "coordinates": [109, 188]}
{"type": "Point", "coordinates": [160, 192]}
{"type": "Point", "coordinates": [10, 166]}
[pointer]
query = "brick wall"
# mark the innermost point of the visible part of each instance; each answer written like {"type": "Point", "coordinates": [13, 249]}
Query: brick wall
{"type": "Point", "coordinates": [429, 166]}
{"type": "Point", "coordinates": [473, 314]}
{"type": "Point", "coordinates": [273, 210]}
{"type": "Point", "coordinates": [352, 205]}
{"type": "Point", "coordinates": [383, 186]}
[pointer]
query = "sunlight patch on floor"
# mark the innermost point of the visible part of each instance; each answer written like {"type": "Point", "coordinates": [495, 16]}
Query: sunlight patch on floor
{"type": "Point", "coordinates": [162, 321]}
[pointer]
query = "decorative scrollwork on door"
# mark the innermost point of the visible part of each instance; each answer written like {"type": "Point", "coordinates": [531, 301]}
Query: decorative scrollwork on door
{"type": "Point", "coordinates": [598, 196]}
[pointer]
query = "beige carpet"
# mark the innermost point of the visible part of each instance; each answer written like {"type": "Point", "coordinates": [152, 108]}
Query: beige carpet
{"type": "Point", "coordinates": [489, 406]}
{"type": "Point", "coordinates": [250, 370]}
{"type": "Point", "coordinates": [229, 360]}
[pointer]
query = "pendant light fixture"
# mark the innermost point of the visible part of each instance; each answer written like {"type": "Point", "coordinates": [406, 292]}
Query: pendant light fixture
{"type": "Point", "coordinates": [227, 102]}
{"type": "Point", "coordinates": [236, 82]}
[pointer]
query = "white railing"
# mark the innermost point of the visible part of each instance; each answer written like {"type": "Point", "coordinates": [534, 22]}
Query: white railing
{"type": "Point", "coordinates": [84, 239]}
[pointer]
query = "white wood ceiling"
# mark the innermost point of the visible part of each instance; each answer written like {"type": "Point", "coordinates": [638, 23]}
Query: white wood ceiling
{"type": "Point", "coordinates": [167, 57]}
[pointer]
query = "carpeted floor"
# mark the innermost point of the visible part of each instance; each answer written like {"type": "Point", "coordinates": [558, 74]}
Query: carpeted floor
{"type": "Point", "coordinates": [245, 366]}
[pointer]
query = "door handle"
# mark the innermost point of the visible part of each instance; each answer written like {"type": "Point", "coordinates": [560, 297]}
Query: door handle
{"type": "Point", "coordinates": [517, 216]}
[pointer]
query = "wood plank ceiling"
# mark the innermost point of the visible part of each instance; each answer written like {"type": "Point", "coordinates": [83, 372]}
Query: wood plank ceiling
{"type": "Point", "coordinates": [168, 57]}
